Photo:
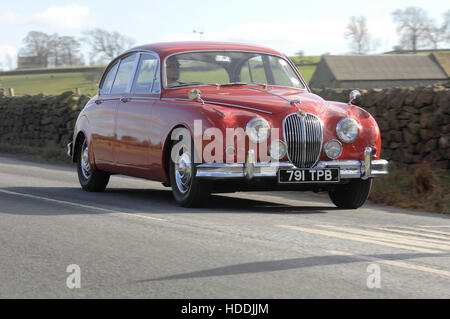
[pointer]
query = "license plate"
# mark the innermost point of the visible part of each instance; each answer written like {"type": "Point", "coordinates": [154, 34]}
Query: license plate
{"type": "Point", "coordinates": [309, 175]}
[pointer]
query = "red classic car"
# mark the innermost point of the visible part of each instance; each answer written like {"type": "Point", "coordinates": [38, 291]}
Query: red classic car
{"type": "Point", "coordinates": [205, 117]}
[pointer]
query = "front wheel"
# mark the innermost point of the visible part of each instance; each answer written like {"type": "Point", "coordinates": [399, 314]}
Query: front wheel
{"type": "Point", "coordinates": [187, 189]}
{"type": "Point", "coordinates": [352, 195]}
{"type": "Point", "coordinates": [91, 179]}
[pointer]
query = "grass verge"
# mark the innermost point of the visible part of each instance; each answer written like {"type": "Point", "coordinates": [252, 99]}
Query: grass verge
{"type": "Point", "coordinates": [418, 188]}
{"type": "Point", "coordinates": [52, 154]}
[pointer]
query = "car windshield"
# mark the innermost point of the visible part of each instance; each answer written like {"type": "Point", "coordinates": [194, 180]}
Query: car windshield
{"type": "Point", "coordinates": [230, 68]}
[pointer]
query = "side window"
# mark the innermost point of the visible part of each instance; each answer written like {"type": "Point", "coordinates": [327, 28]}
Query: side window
{"type": "Point", "coordinates": [109, 78]}
{"type": "Point", "coordinates": [123, 74]}
{"type": "Point", "coordinates": [253, 71]}
{"type": "Point", "coordinates": [145, 74]}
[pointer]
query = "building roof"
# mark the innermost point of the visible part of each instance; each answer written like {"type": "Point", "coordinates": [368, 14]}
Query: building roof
{"type": "Point", "coordinates": [384, 67]}
{"type": "Point", "coordinates": [443, 58]}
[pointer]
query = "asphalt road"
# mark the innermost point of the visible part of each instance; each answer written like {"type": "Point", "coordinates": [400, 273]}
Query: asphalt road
{"type": "Point", "coordinates": [133, 241]}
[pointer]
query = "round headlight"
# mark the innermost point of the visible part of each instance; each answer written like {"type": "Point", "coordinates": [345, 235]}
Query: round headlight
{"type": "Point", "coordinates": [277, 149]}
{"type": "Point", "coordinates": [333, 149]}
{"type": "Point", "coordinates": [258, 130]}
{"type": "Point", "coordinates": [347, 130]}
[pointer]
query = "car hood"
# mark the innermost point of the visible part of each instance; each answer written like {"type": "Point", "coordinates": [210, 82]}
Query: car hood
{"type": "Point", "coordinates": [267, 100]}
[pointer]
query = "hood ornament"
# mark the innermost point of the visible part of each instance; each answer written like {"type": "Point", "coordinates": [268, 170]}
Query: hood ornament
{"type": "Point", "coordinates": [295, 103]}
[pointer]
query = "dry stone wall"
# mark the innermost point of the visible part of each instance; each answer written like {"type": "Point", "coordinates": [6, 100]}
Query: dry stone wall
{"type": "Point", "coordinates": [414, 122]}
{"type": "Point", "coordinates": [39, 120]}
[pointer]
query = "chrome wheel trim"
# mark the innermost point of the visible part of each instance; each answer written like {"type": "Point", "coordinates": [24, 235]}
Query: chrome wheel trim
{"type": "Point", "coordinates": [85, 166]}
{"type": "Point", "coordinates": [183, 172]}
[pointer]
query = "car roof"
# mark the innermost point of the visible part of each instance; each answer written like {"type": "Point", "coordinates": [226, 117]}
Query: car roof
{"type": "Point", "coordinates": [164, 49]}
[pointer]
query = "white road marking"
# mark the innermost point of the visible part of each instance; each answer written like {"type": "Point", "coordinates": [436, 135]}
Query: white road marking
{"type": "Point", "coordinates": [440, 226]}
{"type": "Point", "coordinates": [362, 239]}
{"type": "Point", "coordinates": [389, 237]}
{"type": "Point", "coordinates": [63, 202]}
{"type": "Point", "coordinates": [396, 263]}
{"type": "Point", "coordinates": [414, 231]}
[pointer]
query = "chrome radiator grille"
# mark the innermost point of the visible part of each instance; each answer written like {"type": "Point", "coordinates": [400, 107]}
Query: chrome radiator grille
{"type": "Point", "coordinates": [303, 136]}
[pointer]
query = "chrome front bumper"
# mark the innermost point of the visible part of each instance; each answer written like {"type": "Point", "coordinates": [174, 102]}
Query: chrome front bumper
{"type": "Point", "coordinates": [348, 169]}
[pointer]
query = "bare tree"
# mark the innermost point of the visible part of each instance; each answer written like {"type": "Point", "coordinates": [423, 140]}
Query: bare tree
{"type": "Point", "coordinates": [357, 32]}
{"type": "Point", "coordinates": [70, 51]}
{"type": "Point", "coordinates": [413, 26]}
{"type": "Point", "coordinates": [437, 34]}
{"type": "Point", "coordinates": [106, 45]}
{"type": "Point", "coordinates": [37, 44]}
{"type": "Point", "coordinates": [446, 26]}
{"type": "Point", "coordinates": [54, 58]}
{"type": "Point", "coordinates": [64, 50]}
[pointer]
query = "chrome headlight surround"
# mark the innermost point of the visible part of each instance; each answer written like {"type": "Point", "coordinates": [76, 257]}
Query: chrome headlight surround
{"type": "Point", "coordinates": [258, 130]}
{"type": "Point", "coordinates": [347, 130]}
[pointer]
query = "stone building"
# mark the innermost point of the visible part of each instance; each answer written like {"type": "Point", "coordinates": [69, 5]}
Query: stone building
{"type": "Point", "coordinates": [380, 71]}
{"type": "Point", "coordinates": [29, 62]}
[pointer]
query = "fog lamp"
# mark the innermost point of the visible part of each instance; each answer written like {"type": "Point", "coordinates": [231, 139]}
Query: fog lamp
{"type": "Point", "coordinates": [333, 149]}
{"type": "Point", "coordinates": [277, 149]}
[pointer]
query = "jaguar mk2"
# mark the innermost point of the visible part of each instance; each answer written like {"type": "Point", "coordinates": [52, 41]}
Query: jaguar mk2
{"type": "Point", "coordinates": [204, 117]}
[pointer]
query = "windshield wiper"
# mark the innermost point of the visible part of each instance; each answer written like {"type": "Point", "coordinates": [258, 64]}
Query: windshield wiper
{"type": "Point", "coordinates": [192, 83]}
{"type": "Point", "coordinates": [243, 83]}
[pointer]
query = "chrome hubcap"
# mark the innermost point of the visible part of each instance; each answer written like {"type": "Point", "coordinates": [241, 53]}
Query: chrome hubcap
{"type": "Point", "coordinates": [85, 166]}
{"type": "Point", "coordinates": [183, 172]}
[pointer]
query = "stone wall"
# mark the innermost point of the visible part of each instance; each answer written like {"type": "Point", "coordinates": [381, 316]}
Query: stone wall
{"type": "Point", "coordinates": [39, 121]}
{"type": "Point", "coordinates": [414, 122]}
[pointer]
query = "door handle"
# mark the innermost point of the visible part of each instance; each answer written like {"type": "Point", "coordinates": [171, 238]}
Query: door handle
{"type": "Point", "coordinates": [125, 99]}
{"type": "Point", "coordinates": [98, 101]}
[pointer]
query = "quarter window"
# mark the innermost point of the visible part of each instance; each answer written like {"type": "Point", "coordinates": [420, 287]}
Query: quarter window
{"type": "Point", "coordinates": [123, 74]}
{"type": "Point", "coordinates": [109, 79]}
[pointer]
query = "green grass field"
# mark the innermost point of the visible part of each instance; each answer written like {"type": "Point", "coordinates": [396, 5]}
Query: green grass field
{"type": "Point", "coordinates": [54, 83]}
{"type": "Point", "coordinates": [57, 83]}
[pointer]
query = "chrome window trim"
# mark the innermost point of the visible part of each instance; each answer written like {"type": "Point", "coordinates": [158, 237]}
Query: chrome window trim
{"type": "Point", "coordinates": [163, 67]}
{"type": "Point", "coordinates": [118, 59]}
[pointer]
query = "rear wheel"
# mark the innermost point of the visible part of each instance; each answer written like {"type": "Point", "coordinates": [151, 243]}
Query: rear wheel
{"type": "Point", "coordinates": [352, 195]}
{"type": "Point", "coordinates": [187, 189]}
{"type": "Point", "coordinates": [91, 179]}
